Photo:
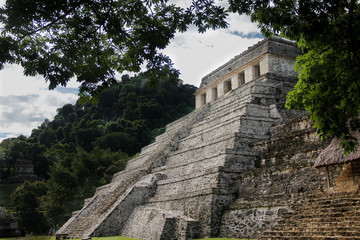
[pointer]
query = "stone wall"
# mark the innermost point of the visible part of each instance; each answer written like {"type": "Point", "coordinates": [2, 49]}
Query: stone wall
{"type": "Point", "coordinates": [347, 179]}
{"type": "Point", "coordinates": [283, 174]}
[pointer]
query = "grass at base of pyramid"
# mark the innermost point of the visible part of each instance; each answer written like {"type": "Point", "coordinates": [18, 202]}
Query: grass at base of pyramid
{"type": "Point", "coordinates": [98, 238]}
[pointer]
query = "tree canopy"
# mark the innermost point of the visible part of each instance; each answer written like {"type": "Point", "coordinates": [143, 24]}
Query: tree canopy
{"type": "Point", "coordinates": [93, 39]}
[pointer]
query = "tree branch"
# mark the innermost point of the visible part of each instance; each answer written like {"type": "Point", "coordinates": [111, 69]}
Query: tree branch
{"type": "Point", "coordinates": [47, 25]}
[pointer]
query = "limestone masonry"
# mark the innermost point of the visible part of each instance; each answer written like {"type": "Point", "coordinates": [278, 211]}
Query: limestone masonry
{"type": "Point", "coordinates": [230, 168]}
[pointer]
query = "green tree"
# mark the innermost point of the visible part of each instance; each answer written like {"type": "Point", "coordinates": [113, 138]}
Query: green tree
{"type": "Point", "coordinates": [26, 200]}
{"type": "Point", "coordinates": [93, 39]}
{"type": "Point", "coordinates": [62, 188]}
{"type": "Point", "coordinates": [47, 137]}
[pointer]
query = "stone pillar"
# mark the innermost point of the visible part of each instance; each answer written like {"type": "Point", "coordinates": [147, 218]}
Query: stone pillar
{"type": "Point", "coordinates": [220, 88]}
{"type": "Point", "coordinates": [197, 100]}
{"type": "Point", "coordinates": [235, 81]}
{"type": "Point", "coordinates": [264, 64]}
{"type": "Point", "coordinates": [209, 95]}
{"type": "Point", "coordinates": [248, 74]}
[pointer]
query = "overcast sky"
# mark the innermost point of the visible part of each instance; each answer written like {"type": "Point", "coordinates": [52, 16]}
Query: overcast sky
{"type": "Point", "coordinates": [25, 102]}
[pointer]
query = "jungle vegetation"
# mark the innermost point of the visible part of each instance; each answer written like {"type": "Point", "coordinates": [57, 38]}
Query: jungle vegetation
{"type": "Point", "coordinates": [84, 145]}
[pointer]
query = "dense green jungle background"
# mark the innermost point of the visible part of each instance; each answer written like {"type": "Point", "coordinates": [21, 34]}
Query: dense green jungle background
{"type": "Point", "coordinates": [85, 145]}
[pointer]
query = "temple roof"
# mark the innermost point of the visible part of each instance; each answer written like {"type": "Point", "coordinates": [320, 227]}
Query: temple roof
{"type": "Point", "coordinates": [333, 154]}
{"type": "Point", "coordinates": [275, 45]}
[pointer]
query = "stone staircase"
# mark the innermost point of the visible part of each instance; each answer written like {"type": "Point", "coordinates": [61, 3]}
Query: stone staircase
{"type": "Point", "coordinates": [335, 216]}
{"type": "Point", "coordinates": [112, 201]}
{"type": "Point", "coordinates": [174, 225]}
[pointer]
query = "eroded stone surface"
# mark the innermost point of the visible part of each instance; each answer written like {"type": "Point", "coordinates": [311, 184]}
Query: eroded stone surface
{"type": "Point", "coordinates": [230, 168]}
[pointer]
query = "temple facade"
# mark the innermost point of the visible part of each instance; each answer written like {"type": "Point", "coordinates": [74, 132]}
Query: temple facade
{"type": "Point", "coordinates": [274, 55]}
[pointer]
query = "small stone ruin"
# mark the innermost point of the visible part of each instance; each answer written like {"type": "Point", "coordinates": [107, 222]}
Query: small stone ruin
{"type": "Point", "coordinates": [23, 171]}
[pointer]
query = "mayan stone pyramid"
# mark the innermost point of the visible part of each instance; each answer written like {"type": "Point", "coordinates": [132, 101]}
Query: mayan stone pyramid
{"type": "Point", "coordinates": [229, 168]}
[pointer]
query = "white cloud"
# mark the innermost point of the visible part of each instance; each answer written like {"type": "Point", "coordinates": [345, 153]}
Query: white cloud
{"type": "Point", "coordinates": [241, 23]}
{"type": "Point", "coordinates": [25, 102]}
{"type": "Point", "coordinates": [196, 55]}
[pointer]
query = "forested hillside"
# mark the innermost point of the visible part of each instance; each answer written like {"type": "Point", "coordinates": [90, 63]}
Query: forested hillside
{"type": "Point", "coordinates": [86, 144]}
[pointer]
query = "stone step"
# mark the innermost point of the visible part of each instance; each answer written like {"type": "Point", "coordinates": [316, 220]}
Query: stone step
{"type": "Point", "coordinates": [164, 224]}
{"type": "Point", "coordinates": [316, 224]}
{"type": "Point", "coordinates": [163, 198]}
{"type": "Point", "coordinates": [179, 122]}
{"type": "Point", "coordinates": [235, 156]}
{"type": "Point", "coordinates": [326, 217]}
{"type": "Point", "coordinates": [226, 106]}
{"type": "Point", "coordinates": [242, 110]}
{"type": "Point", "coordinates": [326, 204]}
{"type": "Point", "coordinates": [199, 141]}
{"type": "Point", "coordinates": [354, 209]}
{"type": "Point", "coordinates": [304, 227]}
{"type": "Point", "coordinates": [120, 176]}
{"type": "Point", "coordinates": [188, 184]}
{"type": "Point", "coordinates": [169, 132]}
{"type": "Point", "coordinates": [98, 206]}
{"type": "Point", "coordinates": [228, 100]}
{"type": "Point", "coordinates": [329, 231]}
{"type": "Point", "coordinates": [213, 121]}
{"type": "Point", "coordinates": [121, 207]}
{"type": "Point", "coordinates": [183, 168]}
{"type": "Point", "coordinates": [192, 175]}
{"type": "Point", "coordinates": [309, 237]}
{"type": "Point", "coordinates": [257, 129]}
{"type": "Point", "coordinates": [245, 93]}
{"type": "Point", "coordinates": [334, 198]}
{"type": "Point", "coordinates": [322, 218]}
{"type": "Point", "coordinates": [237, 96]}
{"type": "Point", "coordinates": [309, 216]}
{"type": "Point", "coordinates": [312, 233]}
{"type": "Point", "coordinates": [149, 148]}
{"type": "Point", "coordinates": [202, 152]}
{"type": "Point", "coordinates": [137, 162]}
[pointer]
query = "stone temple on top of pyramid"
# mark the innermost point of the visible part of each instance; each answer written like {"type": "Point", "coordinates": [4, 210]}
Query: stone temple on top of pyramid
{"type": "Point", "coordinates": [231, 168]}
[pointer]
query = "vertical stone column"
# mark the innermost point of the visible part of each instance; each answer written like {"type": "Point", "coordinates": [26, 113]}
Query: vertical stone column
{"type": "Point", "coordinates": [264, 64]}
{"type": "Point", "coordinates": [209, 95]}
{"type": "Point", "coordinates": [198, 101]}
{"type": "Point", "coordinates": [235, 81]}
{"type": "Point", "coordinates": [248, 74]}
{"type": "Point", "coordinates": [220, 88]}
